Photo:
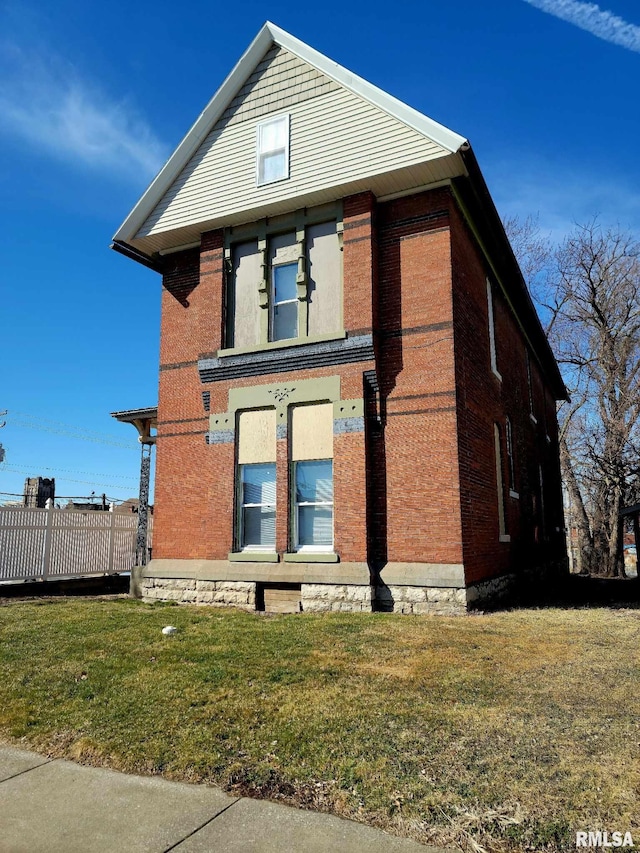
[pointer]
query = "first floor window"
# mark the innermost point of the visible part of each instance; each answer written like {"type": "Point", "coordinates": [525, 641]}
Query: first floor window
{"type": "Point", "coordinates": [313, 511]}
{"type": "Point", "coordinates": [258, 505]}
{"type": "Point", "coordinates": [497, 436]}
{"type": "Point", "coordinates": [510, 456]}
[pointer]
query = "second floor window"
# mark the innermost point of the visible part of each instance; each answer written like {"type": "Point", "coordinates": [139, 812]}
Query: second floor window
{"type": "Point", "coordinates": [283, 287]}
{"type": "Point", "coordinates": [492, 331]}
{"type": "Point", "coordinates": [511, 465]}
{"type": "Point", "coordinates": [284, 302]}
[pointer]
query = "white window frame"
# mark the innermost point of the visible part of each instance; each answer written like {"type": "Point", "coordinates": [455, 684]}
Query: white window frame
{"type": "Point", "coordinates": [492, 332]}
{"type": "Point", "coordinates": [543, 519]}
{"type": "Point", "coordinates": [511, 462]}
{"type": "Point", "coordinates": [532, 416]}
{"type": "Point", "coordinates": [310, 549]}
{"type": "Point", "coordinates": [260, 152]}
{"type": "Point", "coordinates": [503, 536]}
{"type": "Point", "coordinates": [273, 304]}
{"type": "Point", "coordinates": [242, 545]}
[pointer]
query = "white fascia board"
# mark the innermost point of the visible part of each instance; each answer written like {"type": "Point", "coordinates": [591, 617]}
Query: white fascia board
{"type": "Point", "coordinates": [198, 132]}
{"type": "Point", "coordinates": [268, 35]}
{"type": "Point", "coordinates": [440, 134]}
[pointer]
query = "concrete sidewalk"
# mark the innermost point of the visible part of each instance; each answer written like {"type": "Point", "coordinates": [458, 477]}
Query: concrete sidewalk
{"type": "Point", "coordinates": [55, 806]}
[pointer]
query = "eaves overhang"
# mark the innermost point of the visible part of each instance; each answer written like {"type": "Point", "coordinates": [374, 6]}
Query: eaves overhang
{"type": "Point", "coordinates": [144, 420]}
{"type": "Point", "coordinates": [482, 211]}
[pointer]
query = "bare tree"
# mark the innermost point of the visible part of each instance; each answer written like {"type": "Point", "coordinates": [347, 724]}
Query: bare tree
{"type": "Point", "coordinates": [590, 301]}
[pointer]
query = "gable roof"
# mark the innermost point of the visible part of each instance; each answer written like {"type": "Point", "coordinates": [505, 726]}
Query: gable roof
{"type": "Point", "coordinates": [148, 231]}
{"type": "Point", "coordinates": [446, 141]}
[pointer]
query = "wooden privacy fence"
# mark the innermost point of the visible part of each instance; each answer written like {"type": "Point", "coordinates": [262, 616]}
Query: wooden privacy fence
{"type": "Point", "coordinates": [47, 544]}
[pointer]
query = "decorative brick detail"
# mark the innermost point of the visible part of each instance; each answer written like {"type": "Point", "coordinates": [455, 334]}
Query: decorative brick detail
{"type": "Point", "coordinates": [348, 425]}
{"type": "Point", "coordinates": [301, 357]}
{"type": "Point", "coordinates": [220, 436]}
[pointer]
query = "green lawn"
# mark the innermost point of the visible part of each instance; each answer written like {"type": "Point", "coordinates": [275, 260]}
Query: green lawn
{"type": "Point", "coordinates": [514, 729]}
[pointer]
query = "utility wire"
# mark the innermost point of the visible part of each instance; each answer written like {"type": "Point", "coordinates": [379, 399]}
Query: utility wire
{"type": "Point", "coordinates": [72, 497]}
{"type": "Point", "coordinates": [10, 469]}
{"type": "Point", "coordinates": [34, 466]}
{"type": "Point", "coordinates": [37, 422]}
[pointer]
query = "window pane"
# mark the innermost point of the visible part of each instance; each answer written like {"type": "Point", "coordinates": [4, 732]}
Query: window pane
{"type": "Point", "coordinates": [315, 525]}
{"type": "Point", "coordinates": [273, 135]}
{"type": "Point", "coordinates": [285, 321]}
{"type": "Point", "coordinates": [259, 483]}
{"type": "Point", "coordinates": [284, 282]}
{"type": "Point", "coordinates": [259, 526]}
{"type": "Point", "coordinates": [273, 167]}
{"type": "Point", "coordinates": [314, 481]}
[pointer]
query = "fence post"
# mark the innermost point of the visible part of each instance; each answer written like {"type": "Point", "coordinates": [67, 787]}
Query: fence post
{"type": "Point", "coordinates": [112, 538]}
{"type": "Point", "coordinates": [48, 535]}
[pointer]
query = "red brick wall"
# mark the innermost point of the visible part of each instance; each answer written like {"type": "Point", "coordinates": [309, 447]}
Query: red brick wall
{"type": "Point", "coordinates": [359, 262]}
{"type": "Point", "coordinates": [418, 499]}
{"type": "Point", "coordinates": [195, 482]}
{"type": "Point", "coordinates": [426, 479]}
{"type": "Point", "coordinates": [484, 400]}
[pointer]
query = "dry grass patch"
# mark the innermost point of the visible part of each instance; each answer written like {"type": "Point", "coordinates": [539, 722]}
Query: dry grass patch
{"type": "Point", "coordinates": [510, 731]}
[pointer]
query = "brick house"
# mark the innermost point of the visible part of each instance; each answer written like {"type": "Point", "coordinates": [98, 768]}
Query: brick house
{"type": "Point", "coordinates": [357, 401]}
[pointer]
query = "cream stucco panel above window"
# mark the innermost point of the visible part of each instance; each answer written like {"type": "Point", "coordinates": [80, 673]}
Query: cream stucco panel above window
{"type": "Point", "coordinates": [257, 436]}
{"type": "Point", "coordinates": [312, 432]}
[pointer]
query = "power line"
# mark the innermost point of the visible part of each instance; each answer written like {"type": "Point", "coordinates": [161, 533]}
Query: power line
{"type": "Point", "coordinates": [71, 497]}
{"type": "Point", "coordinates": [60, 428]}
{"type": "Point", "coordinates": [10, 469]}
{"type": "Point", "coordinates": [34, 466]}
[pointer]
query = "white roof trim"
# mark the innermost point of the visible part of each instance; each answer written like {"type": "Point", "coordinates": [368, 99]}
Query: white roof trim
{"type": "Point", "coordinates": [268, 35]}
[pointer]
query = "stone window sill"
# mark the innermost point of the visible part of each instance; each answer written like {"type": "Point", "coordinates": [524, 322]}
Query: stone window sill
{"type": "Point", "coordinates": [289, 342]}
{"type": "Point", "coordinates": [253, 557]}
{"type": "Point", "coordinates": [311, 557]}
{"type": "Point", "coordinates": [504, 537]}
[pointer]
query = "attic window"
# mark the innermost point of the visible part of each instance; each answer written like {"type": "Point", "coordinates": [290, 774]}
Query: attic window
{"type": "Point", "coordinates": [273, 150]}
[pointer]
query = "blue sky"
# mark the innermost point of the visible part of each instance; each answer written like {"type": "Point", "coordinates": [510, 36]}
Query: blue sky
{"type": "Point", "coordinates": [94, 98]}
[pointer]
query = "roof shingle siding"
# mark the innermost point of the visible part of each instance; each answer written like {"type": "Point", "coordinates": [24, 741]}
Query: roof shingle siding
{"type": "Point", "coordinates": [278, 82]}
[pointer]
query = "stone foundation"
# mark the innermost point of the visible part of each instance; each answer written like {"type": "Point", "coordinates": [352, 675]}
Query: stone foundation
{"type": "Point", "coordinates": [446, 601]}
{"type": "Point", "coordinates": [492, 593]}
{"type": "Point", "coordinates": [241, 594]}
{"type": "Point", "coordinates": [345, 598]}
{"type": "Point", "coordinates": [335, 597]}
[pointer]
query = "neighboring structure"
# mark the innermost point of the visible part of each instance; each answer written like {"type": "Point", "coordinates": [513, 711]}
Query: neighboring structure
{"type": "Point", "coordinates": [130, 506]}
{"type": "Point", "coordinates": [357, 401]}
{"type": "Point", "coordinates": [37, 491]}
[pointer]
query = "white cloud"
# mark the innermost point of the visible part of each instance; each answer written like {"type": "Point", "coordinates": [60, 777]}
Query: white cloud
{"type": "Point", "coordinates": [590, 17]}
{"type": "Point", "coordinates": [44, 102]}
{"type": "Point", "coordinates": [560, 199]}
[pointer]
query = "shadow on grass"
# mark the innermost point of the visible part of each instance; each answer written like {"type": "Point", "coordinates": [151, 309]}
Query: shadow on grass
{"type": "Point", "coordinates": [582, 591]}
{"type": "Point", "coordinates": [104, 585]}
